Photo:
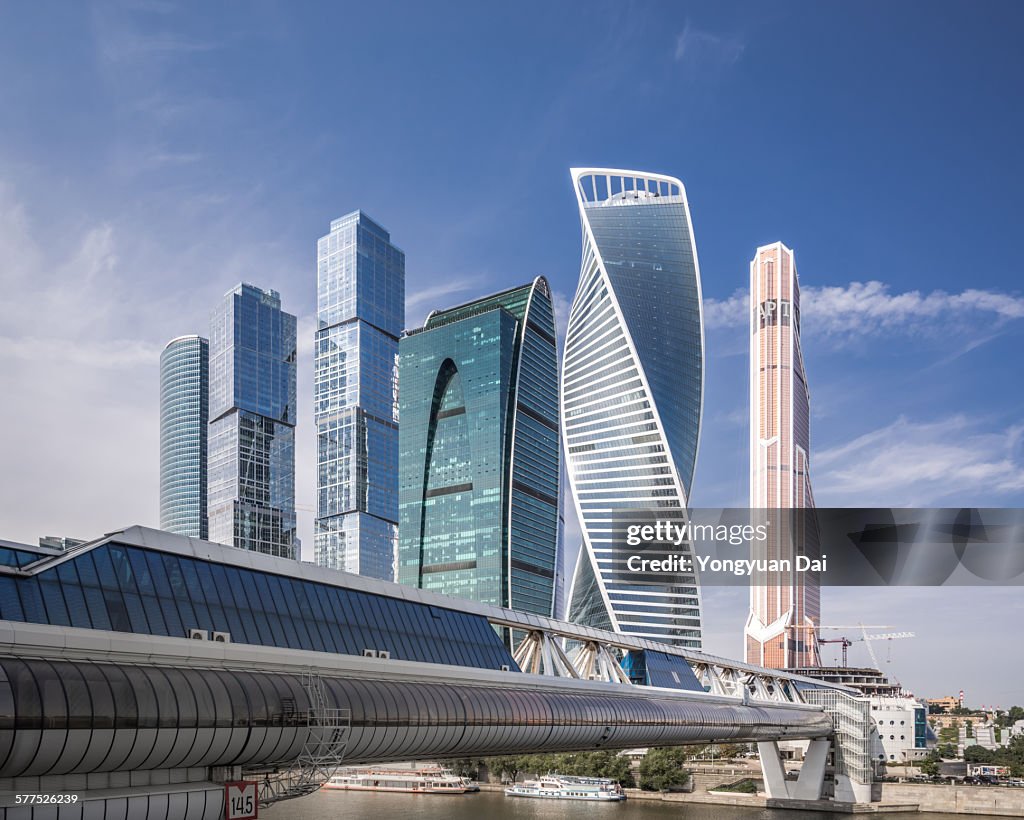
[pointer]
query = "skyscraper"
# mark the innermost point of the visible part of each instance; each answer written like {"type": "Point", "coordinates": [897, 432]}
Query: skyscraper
{"type": "Point", "coordinates": [252, 423]}
{"type": "Point", "coordinates": [184, 415]}
{"type": "Point", "coordinates": [632, 393]}
{"type": "Point", "coordinates": [360, 314]}
{"type": "Point", "coordinates": [784, 610]}
{"type": "Point", "coordinates": [478, 451]}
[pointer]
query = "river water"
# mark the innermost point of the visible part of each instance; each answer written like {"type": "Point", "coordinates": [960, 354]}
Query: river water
{"type": "Point", "coordinates": [343, 805]}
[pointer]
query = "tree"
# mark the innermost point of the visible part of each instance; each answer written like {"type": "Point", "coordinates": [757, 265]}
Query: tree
{"type": "Point", "coordinates": [978, 754]}
{"type": "Point", "coordinates": [582, 764]}
{"type": "Point", "coordinates": [505, 767]}
{"type": "Point", "coordinates": [930, 765]}
{"type": "Point", "coordinates": [662, 769]}
{"type": "Point", "coordinates": [728, 751]}
{"type": "Point", "coordinates": [464, 767]}
{"type": "Point", "coordinates": [946, 750]}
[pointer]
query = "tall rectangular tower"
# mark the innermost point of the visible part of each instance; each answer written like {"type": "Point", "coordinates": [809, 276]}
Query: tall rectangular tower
{"type": "Point", "coordinates": [360, 315]}
{"type": "Point", "coordinates": [251, 495]}
{"type": "Point", "coordinates": [184, 421]}
{"type": "Point", "coordinates": [479, 467]}
{"type": "Point", "coordinates": [784, 606]}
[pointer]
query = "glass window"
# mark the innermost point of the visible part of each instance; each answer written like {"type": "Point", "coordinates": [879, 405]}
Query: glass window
{"type": "Point", "coordinates": [99, 691]}
{"type": "Point", "coordinates": [166, 703]}
{"type": "Point", "coordinates": [28, 699]}
{"type": "Point", "coordinates": [53, 601]}
{"type": "Point", "coordinates": [10, 602]}
{"type": "Point", "coordinates": [145, 699]}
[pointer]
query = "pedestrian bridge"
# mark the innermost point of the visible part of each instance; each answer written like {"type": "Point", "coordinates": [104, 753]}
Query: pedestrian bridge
{"type": "Point", "coordinates": [142, 670]}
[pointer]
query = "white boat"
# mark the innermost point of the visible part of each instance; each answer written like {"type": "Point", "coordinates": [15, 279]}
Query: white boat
{"type": "Point", "coordinates": [412, 781]}
{"type": "Point", "coordinates": [563, 787]}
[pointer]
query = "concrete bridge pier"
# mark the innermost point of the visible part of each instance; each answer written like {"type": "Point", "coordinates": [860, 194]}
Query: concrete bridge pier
{"type": "Point", "coordinates": [811, 782]}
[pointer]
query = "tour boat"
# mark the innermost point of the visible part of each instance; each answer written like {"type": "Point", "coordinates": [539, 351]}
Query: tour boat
{"type": "Point", "coordinates": [562, 787]}
{"type": "Point", "coordinates": [413, 781]}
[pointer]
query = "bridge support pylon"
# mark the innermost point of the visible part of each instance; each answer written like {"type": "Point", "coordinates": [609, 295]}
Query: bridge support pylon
{"type": "Point", "coordinates": [810, 783]}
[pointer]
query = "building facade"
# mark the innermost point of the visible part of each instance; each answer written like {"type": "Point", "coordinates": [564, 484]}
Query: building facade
{"type": "Point", "coordinates": [251, 494]}
{"type": "Point", "coordinates": [632, 394]}
{"type": "Point", "coordinates": [184, 419]}
{"type": "Point", "coordinates": [901, 722]}
{"type": "Point", "coordinates": [784, 606]}
{"type": "Point", "coordinates": [478, 451]}
{"type": "Point", "coordinates": [360, 315]}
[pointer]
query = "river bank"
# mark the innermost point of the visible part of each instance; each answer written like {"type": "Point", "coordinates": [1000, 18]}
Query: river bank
{"type": "Point", "coordinates": [929, 798]}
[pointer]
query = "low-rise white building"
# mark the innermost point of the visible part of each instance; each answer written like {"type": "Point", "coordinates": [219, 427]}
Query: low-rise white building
{"type": "Point", "coordinates": [901, 723]}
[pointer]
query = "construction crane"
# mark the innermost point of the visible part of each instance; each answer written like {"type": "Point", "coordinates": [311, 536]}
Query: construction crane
{"type": "Point", "coordinates": [865, 638]}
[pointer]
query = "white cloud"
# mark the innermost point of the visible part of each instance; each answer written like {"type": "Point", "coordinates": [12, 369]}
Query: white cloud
{"type": "Point", "coordinates": [90, 308]}
{"type": "Point", "coordinates": [723, 313]}
{"type": "Point", "coordinates": [435, 296]}
{"type": "Point", "coordinates": [870, 308]}
{"type": "Point", "coordinates": [918, 464]}
{"type": "Point", "coordinates": [700, 47]}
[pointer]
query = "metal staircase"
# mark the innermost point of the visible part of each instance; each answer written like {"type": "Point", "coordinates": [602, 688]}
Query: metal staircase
{"type": "Point", "coordinates": [323, 751]}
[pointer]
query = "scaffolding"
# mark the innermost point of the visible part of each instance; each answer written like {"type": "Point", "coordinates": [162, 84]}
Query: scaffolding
{"type": "Point", "coordinates": [323, 750]}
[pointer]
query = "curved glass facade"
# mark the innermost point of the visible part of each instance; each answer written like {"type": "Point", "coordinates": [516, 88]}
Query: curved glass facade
{"type": "Point", "coordinates": [184, 416]}
{"type": "Point", "coordinates": [632, 392]}
{"type": "Point", "coordinates": [478, 444]}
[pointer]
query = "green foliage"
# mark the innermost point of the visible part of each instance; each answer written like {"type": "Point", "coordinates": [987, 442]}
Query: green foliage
{"type": "Point", "coordinates": [729, 751]}
{"type": "Point", "coordinates": [1010, 717]}
{"type": "Point", "coordinates": [1011, 755]}
{"type": "Point", "coordinates": [582, 764]}
{"type": "Point", "coordinates": [946, 750]}
{"type": "Point", "coordinates": [463, 766]}
{"type": "Point", "coordinates": [662, 769]}
{"type": "Point", "coordinates": [978, 754]}
{"type": "Point", "coordinates": [930, 765]}
{"type": "Point", "coordinates": [746, 786]}
{"type": "Point", "coordinates": [507, 767]}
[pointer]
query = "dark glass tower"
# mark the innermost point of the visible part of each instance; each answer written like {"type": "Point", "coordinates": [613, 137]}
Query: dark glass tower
{"type": "Point", "coordinates": [184, 416]}
{"type": "Point", "coordinates": [360, 315]}
{"type": "Point", "coordinates": [478, 451]}
{"type": "Point", "coordinates": [252, 423]}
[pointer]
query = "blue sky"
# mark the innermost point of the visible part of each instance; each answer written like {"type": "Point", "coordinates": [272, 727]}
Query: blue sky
{"type": "Point", "coordinates": [152, 155]}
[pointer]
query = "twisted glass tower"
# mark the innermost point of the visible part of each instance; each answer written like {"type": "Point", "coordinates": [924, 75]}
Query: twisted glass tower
{"type": "Point", "coordinates": [632, 393]}
{"type": "Point", "coordinates": [184, 415]}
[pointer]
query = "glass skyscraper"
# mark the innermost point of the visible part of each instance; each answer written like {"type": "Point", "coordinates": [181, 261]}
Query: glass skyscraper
{"type": "Point", "coordinates": [360, 315]}
{"type": "Point", "coordinates": [478, 461]}
{"type": "Point", "coordinates": [184, 416]}
{"type": "Point", "coordinates": [632, 394]}
{"type": "Point", "coordinates": [251, 495]}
